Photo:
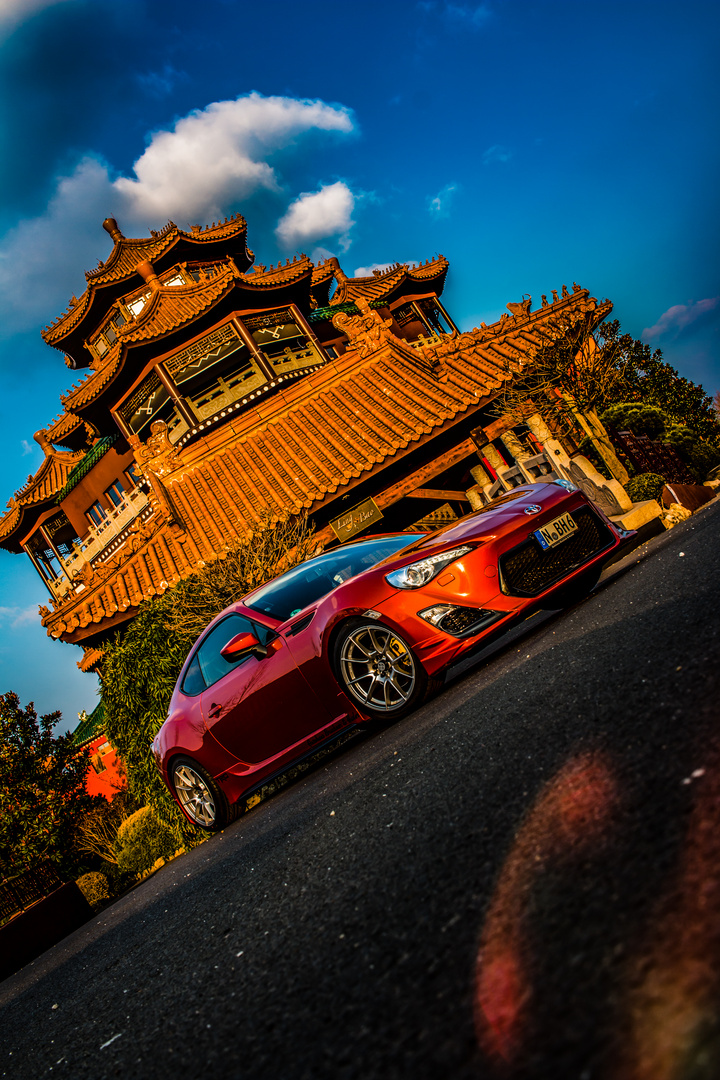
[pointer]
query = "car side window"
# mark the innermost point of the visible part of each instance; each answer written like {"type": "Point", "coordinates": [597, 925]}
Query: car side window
{"type": "Point", "coordinates": [193, 683]}
{"type": "Point", "coordinates": [212, 665]}
{"type": "Point", "coordinates": [207, 665]}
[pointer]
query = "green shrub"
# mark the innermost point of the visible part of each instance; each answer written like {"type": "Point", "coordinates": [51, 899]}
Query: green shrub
{"type": "Point", "coordinates": [645, 486]}
{"type": "Point", "coordinates": [141, 840]}
{"type": "Point", "coordinates": [637, 417]}
{"type": "Point", "coordinates": [95, 888]}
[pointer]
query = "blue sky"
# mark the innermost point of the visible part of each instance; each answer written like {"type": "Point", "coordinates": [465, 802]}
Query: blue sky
{"type": "Point", "coordinates": [532, 143]}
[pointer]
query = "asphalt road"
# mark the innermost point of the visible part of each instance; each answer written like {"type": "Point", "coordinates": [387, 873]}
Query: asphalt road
{"type": "Point", "coordinates": [522, 879]}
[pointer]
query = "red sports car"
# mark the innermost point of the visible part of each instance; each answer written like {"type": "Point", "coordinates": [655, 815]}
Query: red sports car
{"type": "Point", "coordinates": [362, 631]}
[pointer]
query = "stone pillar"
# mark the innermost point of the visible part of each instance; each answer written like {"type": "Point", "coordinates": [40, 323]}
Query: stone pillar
{"type": "Point", "coordinates": [553, 448]}
{"type": "Point", "coordinates": [516, 448]}
{"type": "Point", "coordinates": [481, 476]}
{"type": "Point", "coordinates": [603, 444]}
{"type": "Point", "coordinates": [610, 495]}
{"type": "Point", "coordinates": [494, 457]}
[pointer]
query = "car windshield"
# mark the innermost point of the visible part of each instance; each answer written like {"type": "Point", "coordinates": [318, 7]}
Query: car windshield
{"type": "Point", "coordinates": [295, 590]}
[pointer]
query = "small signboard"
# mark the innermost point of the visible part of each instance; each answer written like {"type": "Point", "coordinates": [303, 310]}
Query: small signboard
{"type": "Point", "coordinates": [354, 521]}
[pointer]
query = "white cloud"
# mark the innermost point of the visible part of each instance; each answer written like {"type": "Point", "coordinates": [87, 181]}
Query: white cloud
{"type": "Point", "coordinates": [26, 447]}
{"type": "Point", "coordinates": [316, 215]}
{"type": "Point", "coordinates": [207, 162]}
{"type": "Point", "coordinates": [41, 255]}
{"type": "Point", "coordinates": [14, 12]}
{"type": "Point", "coordinates": [439, 205]}
{"type": "Point", "coordinates": [679, 316]}
{"type": "Point", "coordinates": [497, 153]}
{"type": "Point", "coordinates": [17, 616]}
{"type": "Point", "coordinates": [217, 155]}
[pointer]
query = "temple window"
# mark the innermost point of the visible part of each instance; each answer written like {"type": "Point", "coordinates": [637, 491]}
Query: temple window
{"type": "Point", "coordinates": [108, 335]}
{"type": "Point", "coordinates": [417, 318]}
{"type": "Point", "coordinates": [152, 401]}
{"type": "Point", "coordinates": [52, 547]}
{"type": "Point", "coordinates": [283, 343]}
{"type": "Point", "coordinates": [96, 514]}
{"type": "Point", "coordinates": [45, 559]}
{"type": "Point", "coordinates": [196, 270]}
{"type": "Point", "coordinates": [115, 493]}
{"type": "Point", "coordinates": [436, 316]}
{"type": "Point", "coordinates": [215, 372]}
{"type": "Point", "coordinates": [136, 305]}
{"type": "Point", "coordinates": [176, 279]}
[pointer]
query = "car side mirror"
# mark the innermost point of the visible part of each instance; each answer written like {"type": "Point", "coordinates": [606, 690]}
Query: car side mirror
{"type": "Point", "coordinates": [243, 643]}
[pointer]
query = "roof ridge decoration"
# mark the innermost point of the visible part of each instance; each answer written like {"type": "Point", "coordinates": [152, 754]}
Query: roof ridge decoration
{"type": "Point", "coordinates": [270, 275]}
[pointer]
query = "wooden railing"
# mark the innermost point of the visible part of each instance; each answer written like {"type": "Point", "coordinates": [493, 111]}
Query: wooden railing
{"type": "Point", "coordinates": [100, 537]}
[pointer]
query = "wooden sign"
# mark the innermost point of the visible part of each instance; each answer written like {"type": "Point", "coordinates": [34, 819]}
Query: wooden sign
{"type": "Point", "coordinates": [354, 521]}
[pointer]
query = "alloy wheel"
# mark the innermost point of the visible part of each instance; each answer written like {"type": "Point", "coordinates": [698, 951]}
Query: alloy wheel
{"type": "Point", "coordinates": [377, 668]}
{"type": "Point", "coordinates": [194, 794]}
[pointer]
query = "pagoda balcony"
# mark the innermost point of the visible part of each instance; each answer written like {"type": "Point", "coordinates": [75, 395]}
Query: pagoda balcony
{"type": "Point", "coordinates": [101, 541]}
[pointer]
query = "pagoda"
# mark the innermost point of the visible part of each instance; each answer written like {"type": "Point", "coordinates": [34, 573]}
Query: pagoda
{"type": "Point", "coordinates": [218, 394]}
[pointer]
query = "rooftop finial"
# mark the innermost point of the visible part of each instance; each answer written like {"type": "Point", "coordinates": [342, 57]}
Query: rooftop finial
{"type": "Point", "coordinates": [43, 442]}
{"type": "Point", "coordinates": [147, 271]}
{"type": "Point", "coordinates": [110, 225]}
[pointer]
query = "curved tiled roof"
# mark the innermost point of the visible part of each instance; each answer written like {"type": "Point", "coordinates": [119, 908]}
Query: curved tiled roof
{"type": "Point", "coordinates": [341, 421]}
{"type": "Point", "coordinates": [278, 275]}
{"type": "Point", "coordinates": [172, 305]}
{"type": "Point", "coordinates": [384, 284]}
{"type": "Point", "coordinates": [64, 426]}
{"type": "Point", "coordinates": [122, 264]}
{"type": "Point", "coordinates": [127, 253]}
{"type": "Point", "coordinates": [41, 488]}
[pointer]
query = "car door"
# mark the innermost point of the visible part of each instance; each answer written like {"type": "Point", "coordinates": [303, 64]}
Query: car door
{"type": "Point", "coordinates": [255, 708]}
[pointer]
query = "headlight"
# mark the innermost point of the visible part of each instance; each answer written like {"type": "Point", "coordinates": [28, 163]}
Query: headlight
{"type": "Point", "coordinates": [566, 484]}
{"type": "Point", "coordinates": [419, 573]}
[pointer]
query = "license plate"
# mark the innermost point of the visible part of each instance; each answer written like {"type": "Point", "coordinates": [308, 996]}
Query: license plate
{"type": "Point", "coordinates": [555, 532]}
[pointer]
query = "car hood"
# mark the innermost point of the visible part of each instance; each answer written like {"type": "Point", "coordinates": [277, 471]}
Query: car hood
{"type": "Point", "coordinates": [494, 516]}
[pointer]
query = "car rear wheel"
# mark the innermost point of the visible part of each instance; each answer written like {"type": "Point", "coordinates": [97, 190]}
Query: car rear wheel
{"type": "Point", "coordinates": [378, 670]}
{"type": "Point", "coordinates": [200, 798]}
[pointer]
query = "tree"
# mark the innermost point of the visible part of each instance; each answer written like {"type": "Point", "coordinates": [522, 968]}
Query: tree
{"type": "Point", "coordinates": [582, 369]}
{"type": "Point", "coordinates": [141, 665]}
{"type": "Point", "coordinates": [42, 789]}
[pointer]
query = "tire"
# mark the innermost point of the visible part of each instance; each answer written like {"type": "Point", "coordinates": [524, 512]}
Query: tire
{"type": "Point", "coordinates": [378, 670]}
{"type": "Point", "coordinates": [573, 593]}
{"type": "Point", "coordinates": [200, 798]}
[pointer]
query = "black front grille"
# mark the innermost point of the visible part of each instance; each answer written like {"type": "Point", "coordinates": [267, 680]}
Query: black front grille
{"type": "Point", "coordinates": [527, 570]}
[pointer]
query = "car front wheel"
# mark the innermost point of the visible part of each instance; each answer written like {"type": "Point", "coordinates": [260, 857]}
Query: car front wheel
{"type": "Point", "coordinates": [200, 798]}
{"type": "Point", "coordinates": [378, 670]}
